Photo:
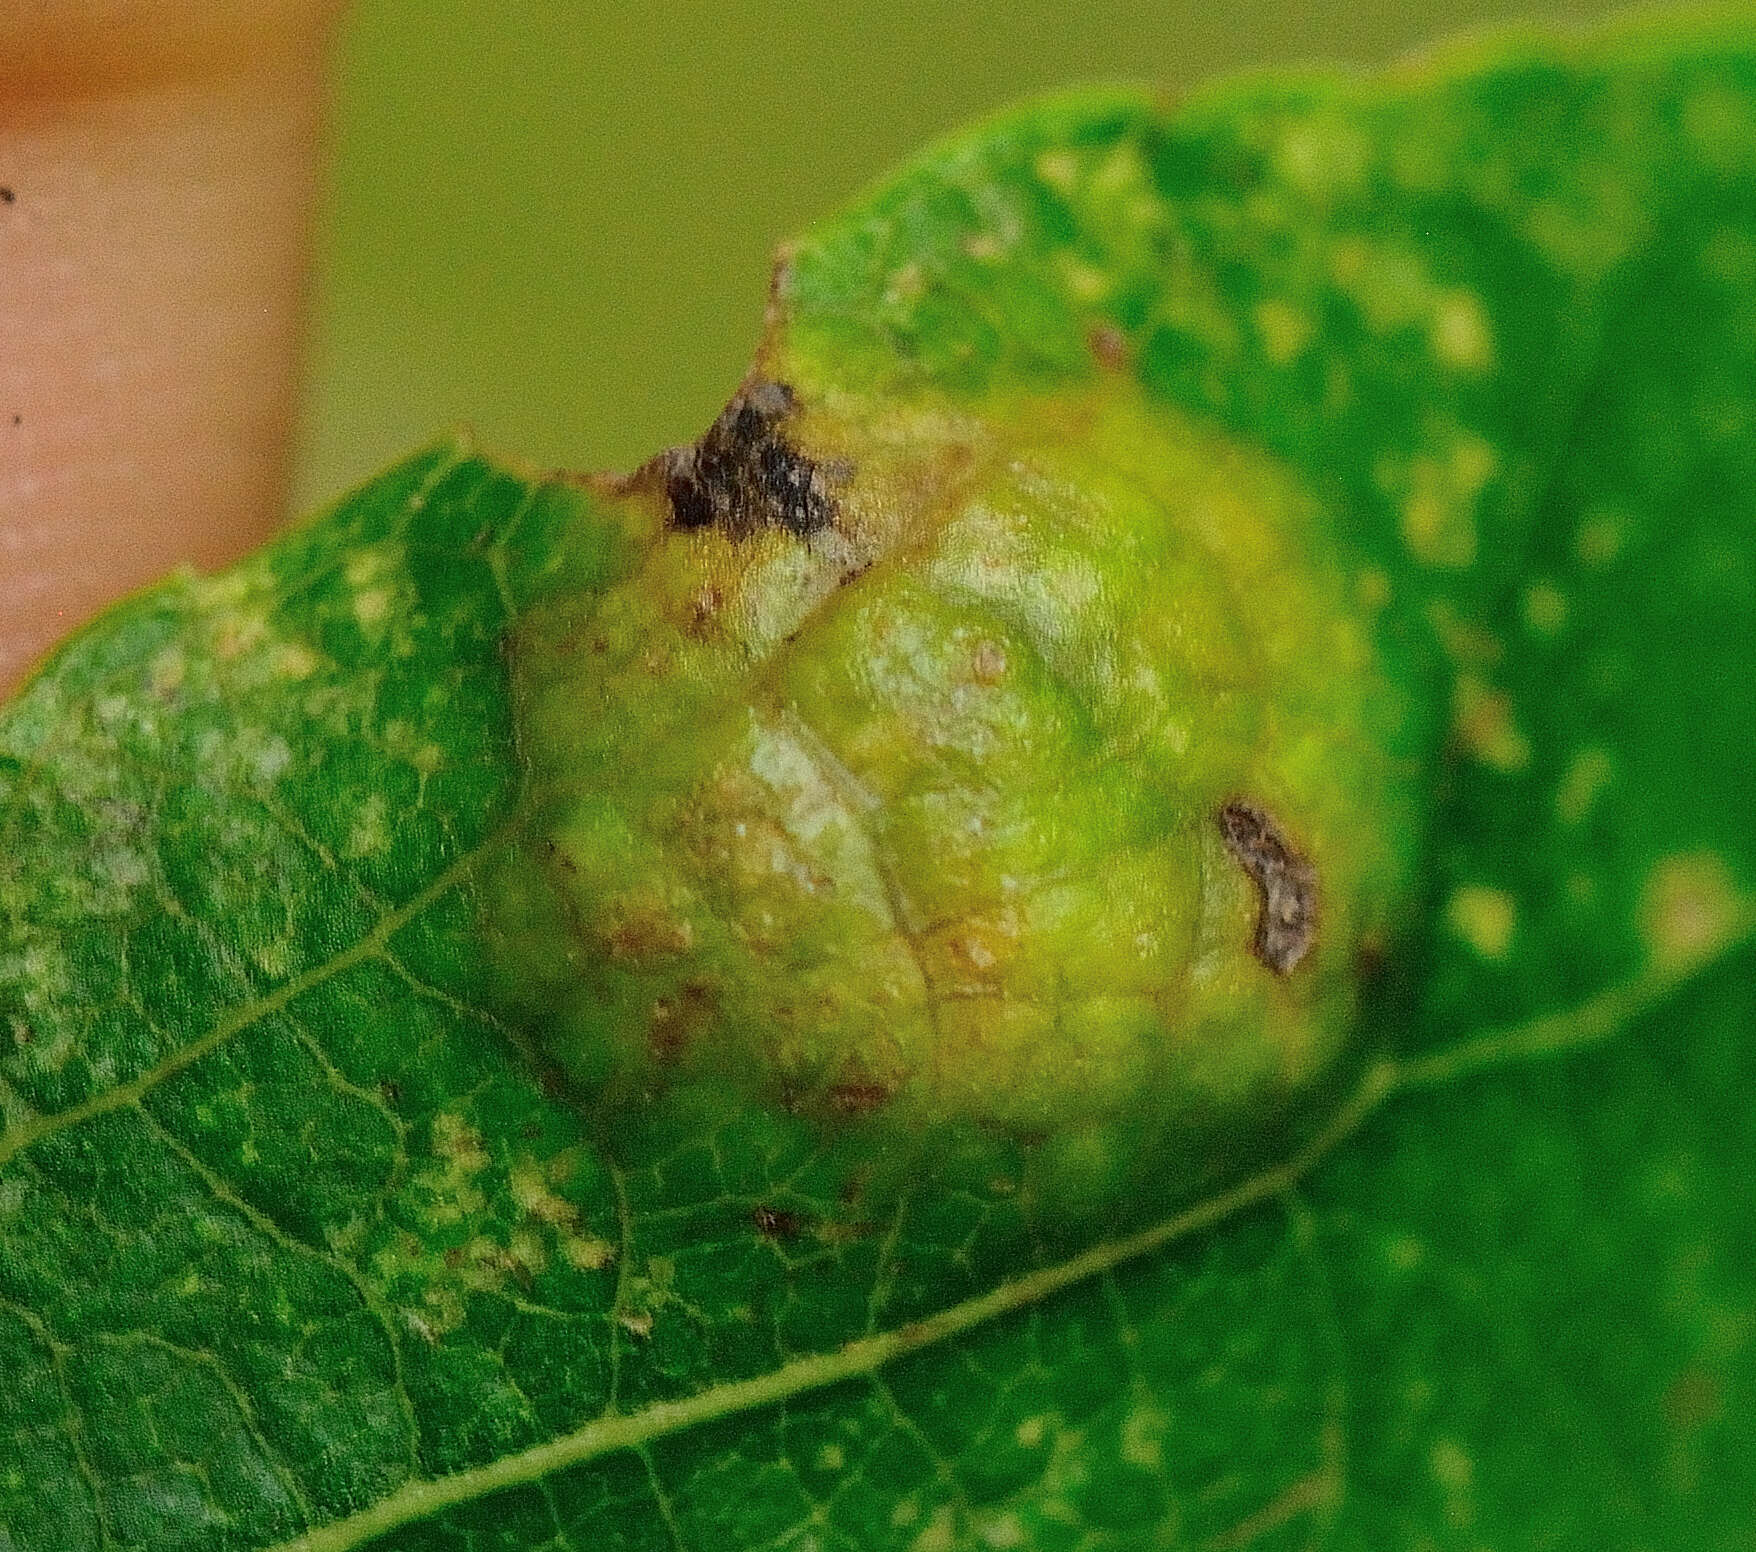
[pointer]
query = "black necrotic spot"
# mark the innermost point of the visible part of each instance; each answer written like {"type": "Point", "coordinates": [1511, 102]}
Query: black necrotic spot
{"type": "Point", "coordinates": [1286, 922]}
{"type": "Point", "coordinates": [744, 475]}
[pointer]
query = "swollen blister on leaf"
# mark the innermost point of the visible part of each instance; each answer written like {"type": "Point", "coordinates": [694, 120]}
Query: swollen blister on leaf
{"type": "Point", "coordinates": [1116, 914]}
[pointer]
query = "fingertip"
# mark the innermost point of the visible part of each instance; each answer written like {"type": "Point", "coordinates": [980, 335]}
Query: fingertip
{"type": "Point", "coordinates": [157, 178]}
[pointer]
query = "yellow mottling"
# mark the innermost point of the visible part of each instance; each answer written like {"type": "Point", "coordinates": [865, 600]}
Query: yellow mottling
{"type": "Point", "coordinates": [371, 604]}
{"type": "Point", "coordinates": [906, 1512]}
{"type": "Point", "coordinates": [274, 957]}
{"type": "Point", "coordinates": [1390, 284]}
{"type": "Point", "coordinates": [983, 246]}
{"type": "Point", "coordinates": [939, 1534]}
{"type": "Point", "coordinates": [370, 831]}
{"type": "Point", "coordinates": [459, 1143]}
{"type": "Point", "coordinates": [637, 1323]}
{"type": "Point", "coordinates": [1690, 909]}
{"type": "Point", "coordinates": [1484, 917]}
{"type": "Point", "coordinates": [1058, 169]}
{"type": "Point", "coordinates": [831, 1458]}
{"type": "Point", "coordinates": [1372, 589]}
{"type": "Point", "coordinates": [1483, 722]}
{"type": "Point", "coordinates": [1085, 282]}
{"type": "Point", "coordinates": [530, 1190]}
{"type": "Point", "coordinates": [1285, 330]}
{"type": "Point", "coordinates": [167, 670]}
{"type": "Point", "coordinates": [1545, 609]}
{"type": "Point", "coordinates": [1461, 336]}
{"type": "Point", "coordinates": [236, 633]}
{"type": "Point", "coordinates": [1322, 158]}
{"type": "Point", "coordinates": [1721, 127]}
{"type": "Point", "coordinates": [1587, 776]}
{"type": "Point", "coordinates": [1405, 1252]}
{"type": "Point", "coordinates": [1001, 1531]}
{"type": "Point", "coordinates": [906, 285]}
{"type": "Point", "coordinates": [1032, 1431]}
{"type": "Point", "coordinates": [1451, 1466]}
{"type": "Point", "coordinates": [586, 1253]}
{"type": "Point", "coordinates": [1143, 1438]}
{"type": "Point", "coordinates": [1603, 533]}
{"type": "Point", "coordinates": [294, 660]}
{"type": "Point", "coordinates": [1440, 491]}
{"type": "Point", "coordinates": [1467, 643]}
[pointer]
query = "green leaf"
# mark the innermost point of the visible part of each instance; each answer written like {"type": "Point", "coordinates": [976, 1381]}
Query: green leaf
{"type": "Point", "coordinates": [308, 1241]}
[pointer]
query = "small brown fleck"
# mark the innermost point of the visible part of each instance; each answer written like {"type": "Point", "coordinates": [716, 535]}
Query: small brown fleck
{"type": "Point", "coordinates": [1286, 922]}
{"type": "Point", "coordinates": [777, 1222]}
{"type": "Point", "coordinates": [1109, 347]}
{"type": "Point", "coordinates": [989, 663]}
{"type": "Point", "coordinates": [8, 196]}
{"type": "Point", "coordinates": [676, 1021]}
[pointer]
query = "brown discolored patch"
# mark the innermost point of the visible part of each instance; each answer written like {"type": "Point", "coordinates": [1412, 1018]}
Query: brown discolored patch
{"type": "Point", "coordinates": [1108, 346]}
{"type": "Point", "coordinates": [777, 1222]}
{"type": "Point", "coordinates": [856, 1099]}
{"type": "Point", "coordinates": [1694, 1400]}
{"type": "Point", "coordinates": [743, 475]}
{"type": "Point", "coordinates": [648, 932]}
{"type": "Point", "coordinates": [1286, 923]}
{"type": "Point", "coordinates": [677, 1020]}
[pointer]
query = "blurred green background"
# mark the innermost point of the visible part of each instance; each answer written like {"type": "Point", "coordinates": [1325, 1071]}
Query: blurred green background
{"type": "Point", "coordinates": [552, 219]}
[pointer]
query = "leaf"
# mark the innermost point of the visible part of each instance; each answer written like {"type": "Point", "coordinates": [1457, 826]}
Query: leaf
{"type": "Point", "coordinates": [304, 1243]}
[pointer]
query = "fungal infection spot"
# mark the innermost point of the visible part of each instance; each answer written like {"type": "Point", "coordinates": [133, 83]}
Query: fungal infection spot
{"type": "Point", "coordinates": [743, 475]}
{"type": "Point", "coordinates": [1286, 921]}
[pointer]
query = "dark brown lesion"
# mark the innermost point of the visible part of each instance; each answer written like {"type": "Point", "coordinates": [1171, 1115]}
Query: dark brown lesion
{"type": "Point", "coordinates": [1286, 882]}
{"type": "Point", "coordinates": [744, 475]}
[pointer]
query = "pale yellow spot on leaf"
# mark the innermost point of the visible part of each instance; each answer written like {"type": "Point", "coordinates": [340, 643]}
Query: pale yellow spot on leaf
{"type": "Point", "coordinates": [939, 1534]}
{"type": "Point", "coordinates": [1461, 336]}
{"type": "Point", "coordinates": [1322, 158]}
{"type": "Point", "coordinates": [1441, 490]}
{"type": "Point", "coordinates": [294, 660]}
{"type": "Point", "coordinates": [1690, 909]}
{"type": "Point", "coordinates": [167, 670]}
{"type": "Point", "coordinates": [1484, 917]}
{"type": "Point", "coordinates": [587, 1253]}
{"type": "Point", "coordinates": [1545, 609]}
{"type": "Point", "coordinates": [1451, 1466]}
{"type": "Point", "coordinates": [1584, 781]}
{"type": "Point", "coordinates": [1372, 589]}
{"type": "Point", "coordinates": [1603, 532]}
{"type": "Point", "coordinates": [1143, 1436]}
{"type": "Point", "coordinates": [1285, 330]}
{"type": "Point", "coordinates": [1002, 1532]}
{"type": "Point", "coordinates": [1058, 169]}
{"type": "Point", "coordinates": [1483, 722]}
{"type": "Point", "coordinates": [1085, 282]}
{"type": "Point", "coordinates": [371, 605]}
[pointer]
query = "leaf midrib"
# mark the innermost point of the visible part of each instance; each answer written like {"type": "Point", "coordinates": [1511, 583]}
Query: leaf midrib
{"type": "Point", "coordinates": [1587, 1024]}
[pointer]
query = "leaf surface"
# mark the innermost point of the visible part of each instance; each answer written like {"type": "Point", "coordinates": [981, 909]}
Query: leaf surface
{"type": "Point", "coordinates": [302, 1245]}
